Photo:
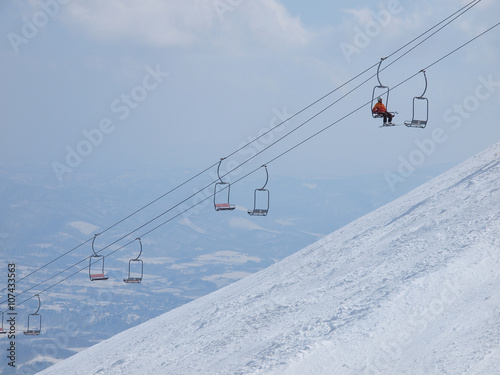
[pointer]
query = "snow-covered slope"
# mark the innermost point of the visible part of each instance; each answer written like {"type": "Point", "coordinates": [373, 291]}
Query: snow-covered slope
{"type": "Point", "coordinates": [411, 288]}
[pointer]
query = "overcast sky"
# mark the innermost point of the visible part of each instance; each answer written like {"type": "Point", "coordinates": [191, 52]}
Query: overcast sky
{"type": "Point", "coordinates": [91, 85]}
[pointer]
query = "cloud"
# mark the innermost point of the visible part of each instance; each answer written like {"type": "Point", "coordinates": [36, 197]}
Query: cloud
{"type": "Point", "coordinates": [185, 221]}
{"type": "Point", "coordinates": [361, 15]}
{"type": "Point", "coordinates": [181, 23]}
{"type": "Point", "coordinates": [83, 227]}
{"type": "Point", "coordinates": [246, 224]}
{"type": "Point", "coordinates": [154, 21]}
{"type": "Point", "coordinates": [240, 223]}
{"type": "Point", "coordinates": [310, 186]}
{"type": "Point", "coordinates": [271, 19]}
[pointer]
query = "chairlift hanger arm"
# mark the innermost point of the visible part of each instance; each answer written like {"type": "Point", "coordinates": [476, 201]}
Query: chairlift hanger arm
{"type": "Point", "coordinates": [378, 70]}
{"type": "Point", "coordinates": [39, 304]}
{"type": "Point", "coordinates": [267, 177]}
{"type": "Point", "coordinates": [218, 169]}
{"type": "Point", "coordinates": [140, 243]}
{"type": "Point", "coordinates": [425, 89]}
{"type": "Point", "coordinates": [93, 240]}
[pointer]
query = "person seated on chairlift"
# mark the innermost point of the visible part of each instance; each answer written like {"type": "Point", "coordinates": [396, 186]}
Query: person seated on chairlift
{"type": "Point", "coordinates": [380, 109]}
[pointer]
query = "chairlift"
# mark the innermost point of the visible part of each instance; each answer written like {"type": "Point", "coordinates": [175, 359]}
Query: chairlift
{"type": "Point", "coordinates": [379, 91]}
{"type": "Point", "coordinates": [420, 120]}
{"type": "Point", "coordinates": [135, 279]}
{"type": "Point", "coordinates": [96, 273]}
{"type": "Point", "coordinates": [2, 330]}
{"type": "Point", "coordinates": [222, 205]}
{"type": "Point", "coordinates": [261, 199]}
{"type": "Point", "coordinates": [34, 321]}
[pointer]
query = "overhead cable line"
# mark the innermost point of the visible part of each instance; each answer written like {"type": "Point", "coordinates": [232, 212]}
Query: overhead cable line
{"type": "Point", "coordinates": [115, 224]}
{"type": "Point", "coordinates": [361, 84]}
{"type": "Point", "coordinates": [269, 162]}
{"type": "Point", "coordinates": [468, 6]}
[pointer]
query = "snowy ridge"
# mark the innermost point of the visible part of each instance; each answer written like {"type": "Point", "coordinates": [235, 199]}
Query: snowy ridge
{"type": "Point", "coordinates": [411, 288]}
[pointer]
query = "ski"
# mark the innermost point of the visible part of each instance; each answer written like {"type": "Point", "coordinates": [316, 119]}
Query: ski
{"type": "Point", "coordinates": [389, 126]}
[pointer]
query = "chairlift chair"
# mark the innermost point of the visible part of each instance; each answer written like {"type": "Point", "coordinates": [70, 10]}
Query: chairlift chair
{"type": "Point", "coordinates": [222, 205]}
{"type": "Point", "coordinates": [96, 273]}
{"type": "Point", "coordinates": [379, 91]}
{"type": "Point", "coordinates": [423, 116]}
{"type": "Point", "coordinates": [34, 329]}
{"type": "Point", "coordinates": [259, 196]}
{"type": "Point", "coordinates": [135, 279]}
{"type": "Point", "coordinates": [2, 330]}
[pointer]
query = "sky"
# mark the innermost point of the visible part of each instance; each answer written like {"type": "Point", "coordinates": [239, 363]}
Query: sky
{"type": "Point", "coordinates": [93, 87]}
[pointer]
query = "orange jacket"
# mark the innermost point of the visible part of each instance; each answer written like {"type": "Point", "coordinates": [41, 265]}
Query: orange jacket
{"type": "Point", "coordinates": [379, 108]}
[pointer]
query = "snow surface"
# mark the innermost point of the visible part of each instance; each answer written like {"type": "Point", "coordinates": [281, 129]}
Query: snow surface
{"type": "Point", "coordinates": [411, 288]}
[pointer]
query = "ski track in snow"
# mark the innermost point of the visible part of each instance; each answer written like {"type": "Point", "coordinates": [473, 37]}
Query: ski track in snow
{"type": "Point", "coordinates": [411, 288]}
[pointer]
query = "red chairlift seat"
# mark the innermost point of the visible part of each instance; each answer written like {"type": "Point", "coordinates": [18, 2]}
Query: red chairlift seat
{"type": "Point", "coordinates": [98, 276]}
{"type": "Point", "coordinates": [224, 206]}
{"type": "Point", "coordinates": [2, 331]}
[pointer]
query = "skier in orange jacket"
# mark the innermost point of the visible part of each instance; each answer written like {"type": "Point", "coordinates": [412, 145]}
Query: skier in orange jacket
{"type": "Point", "coordinates": [380, 110]}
